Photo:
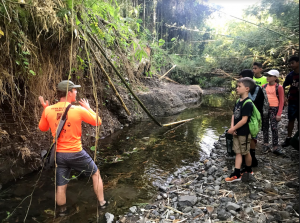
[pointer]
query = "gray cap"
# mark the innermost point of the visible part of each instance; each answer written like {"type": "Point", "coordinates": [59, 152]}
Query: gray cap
{"type": "Point", "coordinates": [62, 86]}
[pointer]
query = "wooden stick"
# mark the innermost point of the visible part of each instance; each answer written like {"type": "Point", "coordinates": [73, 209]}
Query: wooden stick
{"type": "Point", "coordinates": [122, 78]}
{"type": "Point", "coordinates": [173, 209]}
{"type": "Point", "coordinates": [174, 123]}
{"type": "Point", "coordinates": [169, 79]}
{"type": "Point", "coordinates": [167, 72]}
{"type": "Point", "coordinates": [109, 80]}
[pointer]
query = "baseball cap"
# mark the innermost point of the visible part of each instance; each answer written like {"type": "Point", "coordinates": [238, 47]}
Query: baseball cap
{"type": "Point", "coordinates": [273, 73]}
{"type": "Point", "coordinates": [62, 86]}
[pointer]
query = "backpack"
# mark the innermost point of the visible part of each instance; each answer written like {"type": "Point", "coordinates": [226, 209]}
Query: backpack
{"type": "Point", "coordinates": [255, 119]}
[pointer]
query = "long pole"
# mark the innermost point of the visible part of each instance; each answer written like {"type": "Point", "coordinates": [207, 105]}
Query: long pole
{"type": "Point", "coordinates": [122, 79]}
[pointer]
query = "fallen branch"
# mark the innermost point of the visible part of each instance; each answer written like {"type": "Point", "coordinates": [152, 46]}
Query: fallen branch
{"type": "Point", "coordinates": [173, 209]}
{"type": "Point", "coordinates": [167, 72]}
{"type": "Point", "coordinates": [174, 123]}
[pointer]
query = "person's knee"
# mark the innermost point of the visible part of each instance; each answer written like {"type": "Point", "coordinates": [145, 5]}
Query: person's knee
{"type": "Point", "coordinates": [62, 189]}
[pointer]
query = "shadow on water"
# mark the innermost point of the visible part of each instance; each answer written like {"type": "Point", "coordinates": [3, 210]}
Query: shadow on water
{"type": "Point", "coordinates": [147, 154]}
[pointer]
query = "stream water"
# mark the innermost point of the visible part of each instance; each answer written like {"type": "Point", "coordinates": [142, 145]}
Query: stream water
{"type": "Point", "coordinates": [149, 154]}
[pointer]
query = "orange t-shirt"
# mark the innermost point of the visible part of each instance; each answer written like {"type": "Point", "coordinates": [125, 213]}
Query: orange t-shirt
{"type": "Point", "coordinates": [272, 98]}
{"type": "Point", "coordinates": [69, 140]}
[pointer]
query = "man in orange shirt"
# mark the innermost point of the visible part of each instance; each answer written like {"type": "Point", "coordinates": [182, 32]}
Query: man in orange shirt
{"type": "Point", "coordinates": [69, 153]}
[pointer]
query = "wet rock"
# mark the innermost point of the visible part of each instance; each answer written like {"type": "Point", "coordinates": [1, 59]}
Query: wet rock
{"type": "Point", "coordinates": [109, 217]}
{"type": "Point", "coordinates": [163, 188]}
{"type": "Point", "coordinates": [187, 200]}
{"type": "Point", "coordinates": [233, 206]}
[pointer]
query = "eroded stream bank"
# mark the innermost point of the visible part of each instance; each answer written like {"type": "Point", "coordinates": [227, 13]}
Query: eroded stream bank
{"type": "Point", "coordinates": [149, 153]}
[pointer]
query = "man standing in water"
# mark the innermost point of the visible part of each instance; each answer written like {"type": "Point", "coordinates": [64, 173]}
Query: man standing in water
{"type": "Point", "coordinates": [69, 153]}
{"type": "Point", "coordinates": [258, 77]}
{"type": "Point", "coordinates": [292, 80]}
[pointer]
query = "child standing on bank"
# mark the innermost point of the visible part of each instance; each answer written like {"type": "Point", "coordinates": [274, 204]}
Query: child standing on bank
{"type": "Point", "coordinates": [258, 77]}
{"type": "Point", "coordinates": [275, 95]}
{"type": "Point", "coordinates": [240, 129]}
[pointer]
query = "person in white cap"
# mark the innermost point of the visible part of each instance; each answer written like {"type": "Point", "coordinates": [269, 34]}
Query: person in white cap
{"type": "Point", "coordinates": [275, 95]}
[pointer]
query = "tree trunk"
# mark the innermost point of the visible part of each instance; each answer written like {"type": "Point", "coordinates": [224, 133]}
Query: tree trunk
{"type": "Point", "coordinates": [154, 17]}
{"type": "Point", "coordinates": [144, 13]}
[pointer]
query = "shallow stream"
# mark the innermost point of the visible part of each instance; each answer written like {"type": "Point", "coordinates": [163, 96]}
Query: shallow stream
{"type": "Point", "coordinates": [149, 154]}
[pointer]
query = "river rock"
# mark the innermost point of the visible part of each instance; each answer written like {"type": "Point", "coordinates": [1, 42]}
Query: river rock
{"type": "Point", "coordinates": [187, 200]}
{"type": "Point", "coordinates": [233, 206]}
{"type": "Point", "coordinates": [187, 210]}
{"type": "Point", "coordinates": [109, 217]}
{"type": "Point", "coordinates": [284, 215]}
{"type": "Point", "coordinates": [159, 197]}
{"type": "Point", "coordinates": [212, 169]}
{"type": "Point", "coordinates": [223, 215]}
{"type": "Point", "coordinates": [133, 209]}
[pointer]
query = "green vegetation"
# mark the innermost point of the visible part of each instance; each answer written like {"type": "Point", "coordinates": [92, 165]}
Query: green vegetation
{"type": "Point", "coordinates": [40, 43]}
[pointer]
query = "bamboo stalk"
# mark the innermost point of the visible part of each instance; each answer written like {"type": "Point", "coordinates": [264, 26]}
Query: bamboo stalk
{"type": "Point", "coordinates": [174, 123]}
{"type": "Point", "coordinates": [167, 72]}
{"type": "Point", "coordinates": [122, 79]}
{"type": "Point", "coordinates": [109, 80]}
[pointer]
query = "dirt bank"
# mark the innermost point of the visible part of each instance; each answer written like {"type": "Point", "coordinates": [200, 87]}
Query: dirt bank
{"type": "Point", "coordinates": [21, 143]}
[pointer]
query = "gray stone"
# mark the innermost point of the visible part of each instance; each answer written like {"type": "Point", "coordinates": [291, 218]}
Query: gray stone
{"type": "Point", "coordinates": [196, 212]}
{"type": "Point", "coordinates": [155, 213]}
{"type": "Point", "coordinates": [172, 217]}
{"type": "Point", "coordinates": [187, 210]}
{"type": "Point", "coordinates": [233, 212]}
{"type": "Point", "coordinates": [109, 217]}
{"type": "Point", "coordinates": [165, 196]}
{"type": "Point", "coordinates": [284, 215]}
{"type": "Point", "coordinates": [174, 199]}
{"type": "Point", "coordinates": [232, 206]}
{"type": "Point", "coordinates": [159, 197]}
{"type": "Point", "coordinates": [210, 179]}
{"type": "Point", "coordinates": [133, 209]}
{"type": "Point", "coordinates": [217, 188]}
{"type": "Point", "coordinates": [248, 210]}
{"type": "Point", "coordinates": [208, 164]}
{"type": "Point", "coordinates": [262, 218]}
{"type": "Point", "coordinates": [223, 215]}
{"type": "Point", "coordinates": [212, 169]}
{"type": "Point", "coordinates": [187, 200]}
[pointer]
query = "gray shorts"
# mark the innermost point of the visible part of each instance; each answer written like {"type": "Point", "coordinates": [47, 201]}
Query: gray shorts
{"type": "Point", "coordinates": [80, 161]}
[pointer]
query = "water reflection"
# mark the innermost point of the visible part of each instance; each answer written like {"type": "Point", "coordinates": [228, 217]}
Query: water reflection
{"type": "Point", "coordinates": [130, 181]}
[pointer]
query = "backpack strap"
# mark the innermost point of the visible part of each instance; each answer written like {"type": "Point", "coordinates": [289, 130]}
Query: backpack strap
{"type": "Point", "coordinates": [265, 86]}
{"type": "Point", "coordinates": [248, 100]}
{"type": "Point", "coordinates": [277, 94]}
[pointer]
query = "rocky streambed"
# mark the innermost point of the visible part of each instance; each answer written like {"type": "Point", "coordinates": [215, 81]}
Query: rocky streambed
{"type": "Point", "coordinates": [197, 191]}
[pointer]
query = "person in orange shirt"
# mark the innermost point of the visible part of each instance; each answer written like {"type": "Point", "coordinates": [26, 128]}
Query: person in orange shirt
{"type": "Point", "coordinates": [69, 153]}
{"type": "Point", "coordinates": [275, 94]}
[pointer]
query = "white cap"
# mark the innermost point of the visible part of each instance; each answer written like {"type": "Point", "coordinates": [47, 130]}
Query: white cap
{"type": "Point", "coordinates": [273, 73]}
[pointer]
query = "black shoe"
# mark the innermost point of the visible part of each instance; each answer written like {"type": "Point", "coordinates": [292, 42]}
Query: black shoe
{"type": "Point", "coordinates": [278, 151]}
{"type": "Point", "coordinates": [62, 211]}
{"type": "Point", "coordinates": [254, 162]}
{"type": "Point", "coordinates": [286, 142]}
{"type": "Point", "coordinates": [104, 206]}
{"type": "Point", "coordinates": [266, 149]}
